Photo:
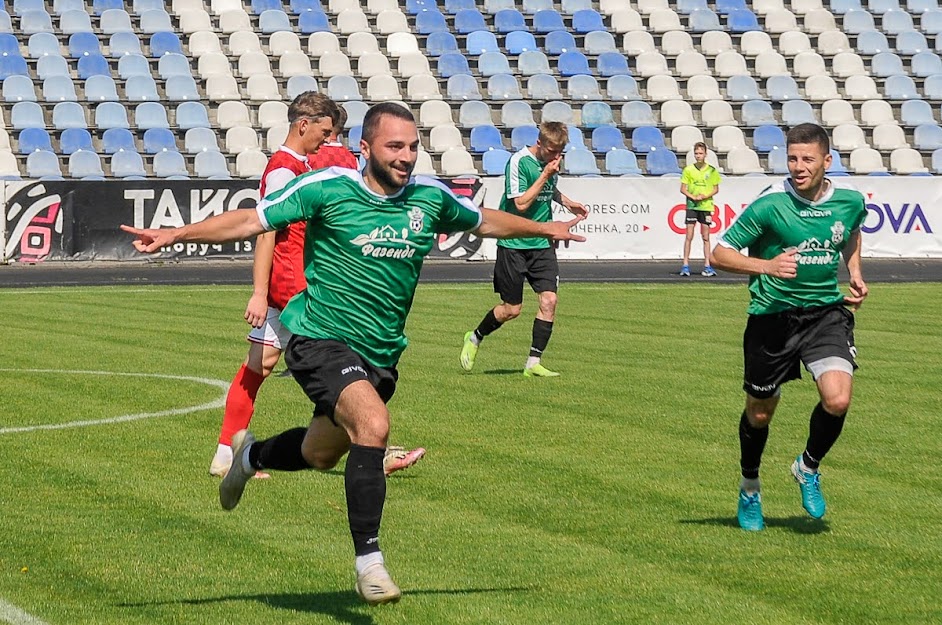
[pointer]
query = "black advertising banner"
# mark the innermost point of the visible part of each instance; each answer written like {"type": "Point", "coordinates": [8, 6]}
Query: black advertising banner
{"type": "Point", "coordinates": [78, 220]}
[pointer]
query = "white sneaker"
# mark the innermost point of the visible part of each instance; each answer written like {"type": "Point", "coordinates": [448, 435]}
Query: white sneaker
{"type": "Point", "coordinates": [375, 586]}
{"type": "Point", "coordinates": [221, 463]}
{"type": "Point", "coordinates": [232, 485]}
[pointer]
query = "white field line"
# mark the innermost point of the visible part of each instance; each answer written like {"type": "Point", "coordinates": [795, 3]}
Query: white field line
{"type": "Point", "coordinates": [216, 403]}
{"type": "Point", "coordinates": [9, 613]}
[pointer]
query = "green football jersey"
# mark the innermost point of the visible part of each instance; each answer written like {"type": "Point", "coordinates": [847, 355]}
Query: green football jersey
{"type": "Point", "coordinates": [523, 169]}
{"type": "Point", "coordinates": [700, 181]}
{"type": "Point", "coordinates": [780, 219]}
{"type": "Point", "coordinates": [362, 254]}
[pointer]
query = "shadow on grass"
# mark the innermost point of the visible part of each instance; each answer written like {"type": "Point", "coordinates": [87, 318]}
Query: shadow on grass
{"type": "Point", "coordinates": [503, 372]}
{"type": "Point", "coordinates": [344, 606]}
{"type": "Point", "coordinates": [797, 524]}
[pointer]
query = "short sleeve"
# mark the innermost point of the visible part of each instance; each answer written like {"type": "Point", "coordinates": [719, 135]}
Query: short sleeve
{"type": "Point", "coordinates": [516, 181]}
{"type": "Point", "coordinates": [715, 178]}
{"type": "Point", "coordinates": [685, 176]}
{"type": "Point", "coordinates": [298, 201]}
{"type": "Point", "coordinates": [746, 230]}
{"type": "Point", "coordinates": [458, 214]}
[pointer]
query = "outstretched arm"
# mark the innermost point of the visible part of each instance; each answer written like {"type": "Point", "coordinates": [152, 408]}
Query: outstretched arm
{"type": "Point", "coordinates": [502, 225]}
{"type": "Point", "coordinates": [858, 288]}
{"type": "Point", "coordinates": [234, 225]}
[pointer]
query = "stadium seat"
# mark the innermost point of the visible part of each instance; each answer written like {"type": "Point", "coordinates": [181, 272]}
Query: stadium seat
{"type": "Point", "coordinates": [18, 89]}
{"type": "Point", "coordinates": [576, 139]}
{"type": "Point", "coordinates": [731, 63]}
{"type": "Point", "coordinates": [159, 140]}
{"type": "Point", "coordinates": [757, 113]}
{"type": "Point", "coordinates": [580, 162]}
{"type": "Point", "coordinates": [768, 137]}
{"type": "Point", "coordinates": [904, 88]}
{"type": "Point", "coordinates": [198, 140]}
{"type": "Point", "coordinates": [40, 45]}
{"type": "Point", "coordinates": [663, 88]}
{"type": "Point", "coordinates": [547, 22]}
{"type": "Point", "coordinates": [480, 42]}
{"type": "Point", "coordinates": [164, 42]}
{"type": "Point", "coordinates": [646, 138]}
{"type": "Point", "coordinates": [716, 113]}
{"type": "Point", "coordinates": [821, 88]}
{"type": "Point", "coordinates": [503, 87]}
{"type": "Point", "coordinates": [523, 136]}
{"type": "Point", "coordinates": [715, 42]}
{"type": "Point", "coordinates": [621, 162]}
{"type": "Point", "coordinates": [796, 42]}
{"type": "Point", "coordinates": [927, 137]}
{"type": "Point", "coordinates": [68, 115]}
{"type": "Point", "coordinates": [703, 20]}
{"type": "Point", "coordinates": [664, 20]}
{"type": "Point", "coordinates": [453, 6]}
{"type": "Point", "coordinates": [930, 23]}
{"type": "Point", "coordinates": [33, 139]}
{"type": "Point", "coordinates": [911, 42]}
{"type": "Point", "coordinates": [462, 87]}
{"type": "Point", "coordinates": [915, 113]}
{"type": "Point", "coordinates": [605, 138]}
{"type": "Point", "coordinates": [495, 161]}
{"type": "Point", "coordinates": [937, 161]}
{"type": "Point", "coordinates": [742, 88]}
{"type": "Point", "coordinates": [683, 138]}
{"type": "Point", "coordinates": [435, 113]}
{"type": "Point", "coordinates": [857, 21]}
{"type": "Point", "coordinates": [516, 113]}
{"type": "Point", "coordinates": [673, 43]}
{"type": "Point", "coordinates": [509, 20]}
{"type": "Point", "coordinates": [724, 7]}
{"type": "Point", "coordinates": [595, 114]}
{"type": "Point", "coordinates": [101, 89]}
{"type": "Point", "coordinates": [474, 113]}
{"type": "Point", "coordinates": [43, 165]}
{"type": "Point", "coordinates": [423, 87]}
{"type": "Point", "coordinates": [889, 137]}
{"type": "Point", "coordinates": [560, 41]}
{"type": "Point", "coordinates": [535, 62]}
{"type": "Point", "coordinates": [170, 165]}
{"type": "Point", "coordinates": [48, 66]}
{"type": "Point", "coordinates": [491, 63]}
{"type": "Point", "coordinates": [439, 43]}
{"type": "Point", "coordinates": [572, 63]}
{"type": "Point", "coordinates": [875, 112]}
{"type": "Point", "coordinates": [32, 22]}
{"type": "Point", "coordinates": [742, 161]}
{"type": "Point", "coordinates": [661, 162]}
{"type": "Point", "coordinates": [519, 41]}
{"type": "Point", "coordinates": [355, 112]}
{"type": "Point", "coordinates": [769, 64]}
{"type": "Point", "coordinates": [466, 21]}
{"type": "Point", "coordinates": [457, 162]}
{"type": "Point", "coordinates": [906, 161]}
{"type": "Point", "coordinates": [598, 42]}
{"type": "Point", "coordinates": [677, 113]}
{"type": "Point", "coordinates": [582, 87]}
{"type": "Point", "coordinates": [796, 112]}
{"type": "Point", "coordinates": [782, 89]}
{"type": "Point", "coordinates": [122, 44]}
{"type": "Point", "coordinates": [778, 162]}
{"type": "Point", "coordinates": [141, 89]}
{"type": "Point", "coordinates": [558, 111]}
{"type": "Point", "coordinates": [313, 22]}
{"type": "Point", "coordinates": [85, 163]}
{"type": "Point", "coordinates": [250, 164]}
{"type": "Point", "coordinates": [727, 138]}
{"type": "Point", "coordinates": [882, 65]}
{"type": "Point", "coordinates": [484, 138]}
{"type": "Point", "coordinates": [612, 64]}
{"type": "Point", "coordinates": [584, 21]}
{"type": "Point", "coordinates": [925, 64]}
{"type": "Point", "coordinates": [690, 64]}
{"type": "Point", "coordinates": [622, 88]}
{"type": "Point", "coordinates": [741, 21]}
{"type": "Point", "coordinates": [27, 115]}
{"type": "Point", "coordinates": [451, 64]}
{"type": "Point", "coordinates": [343, 88]}
{"type": "Point", "coordinates": [125, 163]}
{"type": "Point", "coordinates": [211, 164]}
{"type": "Point", "coordinates": [847, 137]}
{"type": "Point", "coordinates": [866, 161]}
{"type": "Point", "coordinates": [150, 115]}
{"type": "Point", "coordinates": [896, 21]}
{"type": "Point", "coordinates": [637, 113]}
{"type": "Point", "coordinates": [532, 6]}
{"type": "Point", "coordinates": [93, 65]}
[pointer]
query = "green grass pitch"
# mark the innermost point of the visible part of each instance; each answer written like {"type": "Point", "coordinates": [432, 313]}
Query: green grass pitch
{"type": "Point", "coordinates": [604, 496]}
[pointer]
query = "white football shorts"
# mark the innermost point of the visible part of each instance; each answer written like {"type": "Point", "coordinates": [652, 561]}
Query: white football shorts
{"type": "Point", "coordinates": [272, 332]}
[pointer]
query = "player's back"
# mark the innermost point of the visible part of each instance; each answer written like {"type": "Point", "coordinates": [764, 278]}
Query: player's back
{"type": "Point", "coordinates": [332, 155]}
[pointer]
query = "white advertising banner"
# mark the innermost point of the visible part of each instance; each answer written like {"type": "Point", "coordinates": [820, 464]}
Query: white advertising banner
{"type": "Point", "coordinates": [643, 218]}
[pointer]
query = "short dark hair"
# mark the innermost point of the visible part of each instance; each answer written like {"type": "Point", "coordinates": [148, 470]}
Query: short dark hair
{"type": "Point", "coordinates": [809, 133]}
{"type": "Point", "coordinates": [313, 105]}
{"type": "Point", "coordinates": [700, 144]}
{"type": "Point", "coordinates": [375, 113]}
{"type": "Point", "coordinates": [341, 120]}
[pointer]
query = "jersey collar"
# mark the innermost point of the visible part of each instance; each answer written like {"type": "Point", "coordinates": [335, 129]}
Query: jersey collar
{"type": "Point", "coordinates": [824, 198]}
{"type": "Point", "coordinates": [380, 195]}
{"type": "Point", "coordinates": [300, 157]}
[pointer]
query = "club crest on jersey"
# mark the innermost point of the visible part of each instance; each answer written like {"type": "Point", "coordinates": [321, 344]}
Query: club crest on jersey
{"type": "Point", "coordinates": [837, 233]}
{"type": "Point", "coordinates": [416, 220]}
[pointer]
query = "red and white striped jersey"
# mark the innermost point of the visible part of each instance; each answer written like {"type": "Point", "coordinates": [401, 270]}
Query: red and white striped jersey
{"type": "Point", "coordinates": [287, 267]}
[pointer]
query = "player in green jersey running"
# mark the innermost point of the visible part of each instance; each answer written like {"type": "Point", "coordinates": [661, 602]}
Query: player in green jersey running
{"type": "Point", "coordinates": [366, 237]}
{"type": "Point", "coordinates": [529, 191]}
{"type": "Point", "coordinates": [796, 232]}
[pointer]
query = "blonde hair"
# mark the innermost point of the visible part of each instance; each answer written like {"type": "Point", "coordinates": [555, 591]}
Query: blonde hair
{"type": "Point", "coordinates": [553, 134]}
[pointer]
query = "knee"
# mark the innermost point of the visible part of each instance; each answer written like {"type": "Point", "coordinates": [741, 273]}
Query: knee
{"type": "Point", "coordinates": [548, 301]}
{"type": "Point", "coordinates": [837, 405]}
{"type": "Point", "coordinates": [510, 312]}
{"type": "Point", "coordinates": [322, 460]}
{"type": "Point", "coordinates": [759, 418]}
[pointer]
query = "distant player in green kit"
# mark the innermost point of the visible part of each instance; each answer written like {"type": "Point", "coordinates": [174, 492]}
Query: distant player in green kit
{"type": "Point", "coordinates": [366, 237]}
{"type": "Point", "coordinates": [529, 191]}
{"type": "Point", "coordinates": [699, 182]}
{"type": "Point", "coordinates": [796, 231]}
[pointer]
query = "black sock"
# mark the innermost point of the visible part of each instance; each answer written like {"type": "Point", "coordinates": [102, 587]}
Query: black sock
{"type": "Point", "coordinates": [751, 445]}
{"type": "Point", "coordinates": [542, 330]}
{"type": "Point", "coordinates": [823, 431]}
{"type": "Point", "coordinates": [365, 484]}
{"type": "Point", "coordinates": [282, 452]}
{"type": "Point", "coordinates": [487, 325]}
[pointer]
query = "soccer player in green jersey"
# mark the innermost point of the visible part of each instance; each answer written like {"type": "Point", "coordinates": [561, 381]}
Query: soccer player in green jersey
{"type": "Point", "coordinates": [529, 191]}
{"type": "Point", "coordinates": [795, 232]}
{"type": "Point", "coordinates": [699, 182]}
{"type": "Point", "coordinates": [366, 237]}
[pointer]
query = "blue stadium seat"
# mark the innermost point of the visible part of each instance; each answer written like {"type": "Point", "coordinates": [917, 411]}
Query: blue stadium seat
{"type": "Point", "coordinates": [93, 65]}
{"type": "Point", "coordinates": [343, 88]}
{"type": "Point", "coordinates": [313, 21]}
{"type": "Point", "coordinates": [18, 89]}
{"type": "Point", "coordinates": [916, 113]}
{"type": "Point", "coordinates": [756, 113]}
{"type": "Point", "coordinates": [100, 6]}
{"type": "Point", "coordinates": [85, 163]}
{"type": "Point", "coordinates": [141, 89]}
{"type": "Point", "coordinates": [429, 22]}
{"type": "Point", "coordinates": [740, 88]}
{"type": "Point", "coordinates": [871, 42]}
{"type": "Point", "coordinates": [612, 64]}
{"type": "Point", "coordinates": [27, 115]}
{"type": "Point", "coordinates": [159, 140]}
{"type": "Point", "coordinates": [911, 42]}
{"type": "Point", "coordinates": [481, 41]}
{"type": "Point", "coordinates": [451, 63]}
{"type": "Point", "coordinates": [768, 137]}
{"type": "Point", "coordinates": [12, 66]}
{"type": "Point", "coordinates": [840, 7]}
{"type": "Point", "coordinates": [782, 89]}
{"type": "Point", "coordinates": [572, 63]}
{"type": "Point", "coordinates": [534, 62]}
{"type": "Point", "coordinates": [931, 23]}
{"type": "Point", "coordinates": [937, 161]}
{"type": "Point", "coordinates": [467, 21]}
{"type": "Point", "coordinates": [886, 64]}
{"type": "Point", "coordinates": [583, 87]}
{"type": "Point", "coordinates": [595, 114]}
{"type": "Point", "coordinates": [636, 114]}
{"type": "Point", "coordinates": [509, 20]}
{"type": "Point", "coordinates": [704, 20]}
{"type": "Point", "coordinates": [857, 21]}
{"type": "Point", "coordinates": [491, 63]}
{"type": "Point", "coordinates": [585, 21]}
{"type": "Point", "coordinates": [495, 161]}
{"type": "Point", "coordinates": [580, 162]}
{"type": "Point", "coordinates": [778, 161]}
{"type": "Point", "coordinates": [211, 165]}
{"type": "Point", "coordinates": [164, 42]}
{"type": "Point", "coordinates": [605, 138]}
{"type": "Point", "coordinates": [932, 87]}
{"type": "Point", "coordinates": [133, 65]}
{"type": "Point", "coordinates": [532, 6]}
{"type": "Point", "coordinates": [453, 6]}
{"type": "Point", "coordinates": [173, 65]}
{"type": "Point", "coordinates": [43, 165]}
{"type": "Point", "coordinates": [42, 44]}
{"type": "Point", "coordinates": [742, 21]}
{"type": "Point", "coordinates": [621, 88]}
{"type": "Point", "coordinates": [296, 7]}
{"type": "Point", "coordinates": [621, 162]}
{"type": "Point", "coordinates": [463, 87]}
{"type": "Point", "coordinates": [59, 89]}
{"type": "Point", "coordinates": [22, 6]}
{"type": "Point", "coordinates": [414, 7]}
{"type": "Point", "coordinates": [122, 44]}
{"type": "Point", "coordinates": [484, 138]}
{"type": "Point", "coordinates": [170, 165]}
{"type": "Point", "coordinates": [101, 89]}
{"type": "Point", "coordinates": [686, 7]}
{"type": "Point", "coordinates": [117, 139]}
{"type": "Point", "coordinates": [599, 42]}
{"type": "Point", "coordinates": [68, 115]}
{"type": "Point", "coordinates": [354, 136]}
{"type": "Point", "coordinates": [48, 66]}
{"type": "Point", "coordinates": [33, 139]}
{"type": "Point", "coordinates": [543, 87]}
{"type": "Point", "coordinates": [503, 87]}
{"type": "Point", "coordinates": [274, 21]}
{"type": "Point", "coordinates": [299, 84]}
{"type": "Point", "coordinates": [546, 22]}
{"type": "Point", "coordinates": [646, 138]}
{"type": "Point", "coordinates": [727, 6]}
{"type": "Point", "coordinates": [9, 45]}
{"type": "Point", "coordinates": [926, 64]}
{"type": "Point", "coordinates": [181, 89]}
{"type": "Point", "coordinates": [927, 137]}
{"type": "Point", "coordinates": [6, 24]}
{"type": "Point", "coordinates": [439, 43]}
{"type": "Point", "coordinates": [796, 112]}
{"type": "Point", "coordinates": [560, 41]}
{"type": "Point", "coordinates": [523, 136]}
{"type": "Point", "coordinates": [127, 163]}
{"type": "Point", "coordinates": [32, 22]}
{"type": "Point", "coordinates": [355, 112]}
{"type": "Point", "coordinates": [74, 139]}
{"type": "Point", "coordinates": [662, 162]}
{"type": "Point", "coordinates": [72, 22]}
{"type": "Point", "coordinates": [139, 7]}
{"type": "Point", "coordinates": [902, 88]}
{"type": "Point", "coordinates": [896, 21]}
{"type": "Point", "coordinates": [110, 115]}
{"type": "Point", "coordinates": [83, 44]}
{"type": "Point", "coordinates": [260, 6]}
{"type": "Point", "coordinates": [150, 115]}
{"type": "Point", "coordinates": [569, 7]}
{"type": "Point", "coordinates": [837, 165]}
{"type": "Point", "coordinates": [576, 138]}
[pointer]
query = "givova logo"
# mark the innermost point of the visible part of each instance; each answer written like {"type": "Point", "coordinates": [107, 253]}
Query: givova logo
{"type": "Point", "coordinates": [901, 218]}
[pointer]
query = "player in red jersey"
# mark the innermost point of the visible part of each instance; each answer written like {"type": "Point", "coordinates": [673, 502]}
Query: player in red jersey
{"type": "Point", "coordinates": [278, 271]}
